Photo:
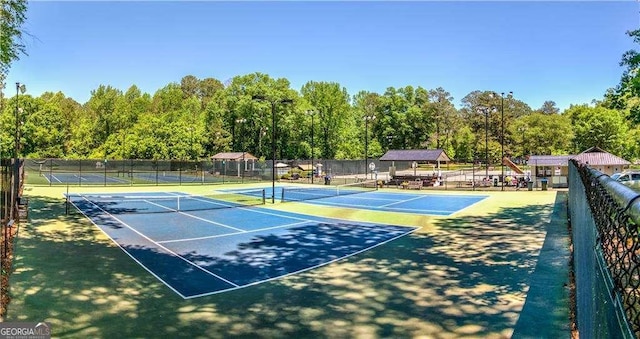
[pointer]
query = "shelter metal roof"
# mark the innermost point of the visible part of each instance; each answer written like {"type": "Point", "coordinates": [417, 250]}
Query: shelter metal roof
{"type": "Point", "coordinates": [549, 160]}
{"type": "Point", "coordinates": [600, 158]}
{"type": "Point", "coordinates": [234, 156]}
{"type": "Point", "coordinates": [593, 156]}
{"type": "Point", "coordinates": [416, 155]}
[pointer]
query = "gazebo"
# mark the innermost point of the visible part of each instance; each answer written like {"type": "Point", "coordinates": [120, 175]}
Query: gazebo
{"type": "Point", "coordinates": [237, 157]}
{"type": "Point", "coordinates": [413, 157]}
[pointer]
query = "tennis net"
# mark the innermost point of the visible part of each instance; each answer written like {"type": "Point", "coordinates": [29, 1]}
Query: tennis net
{"type": "Point", "coordinates": [319, 192]}
{"type": "Point", "coordinates": [130, 204]}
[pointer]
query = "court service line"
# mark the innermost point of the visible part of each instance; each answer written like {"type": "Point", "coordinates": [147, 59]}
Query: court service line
{"type": "Point", "coordinates": [83, 178]}
{"type": "Point", "coordinates": [159, 245]}
{"type": "Point", "coordinates": [193, 216]}
{"type": "Point", "coordinates": [230, 234]}
{"type": "Point", "coordinates": [403, 201]}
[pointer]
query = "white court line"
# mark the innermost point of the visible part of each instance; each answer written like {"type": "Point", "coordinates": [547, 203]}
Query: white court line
{"type": "Point", "coordinates": [469, 206]}
{"type": "Point", "coordinates": [361, 197]}
{"type": "Point", "coordinates": [403, 201]}
{"type": "Point", "coordinates": [229, 234]}
{"type": "Point", "coordinates": [127, 253]}
{"type": "Point", "coordinates": [193, 216]}
{"type": "Point", "coordinates": [159, 245]}
{"type": "Point", "coordinates": [375, 208]}
{"type": "Point", "coordinates": [81, 177]}
{"type": "Point", "coordinates": [305, 269]}
{"type": "Point", "coordinates": [236, 286]}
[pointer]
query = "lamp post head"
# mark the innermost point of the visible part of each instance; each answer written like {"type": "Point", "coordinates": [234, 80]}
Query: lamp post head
{"type": "Point", "coordinates": [482, 110]}
{"type": "Point", "coordinates": [509, 95]}
{"type": "Point", "coordinates": [258, 97]}
{"type": "Point", "coordinates": [21, 87]}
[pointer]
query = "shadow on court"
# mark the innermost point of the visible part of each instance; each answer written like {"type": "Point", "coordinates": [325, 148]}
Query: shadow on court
{"type": "Point", "coordinates": [469, 277]}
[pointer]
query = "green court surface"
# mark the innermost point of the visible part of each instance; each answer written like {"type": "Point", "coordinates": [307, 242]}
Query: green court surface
{"type": "Point", "coordinates": [496, 269]}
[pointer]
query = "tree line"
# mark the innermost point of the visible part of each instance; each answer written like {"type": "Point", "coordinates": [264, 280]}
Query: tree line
{"type": "Point", "coordinates": [197, 118]}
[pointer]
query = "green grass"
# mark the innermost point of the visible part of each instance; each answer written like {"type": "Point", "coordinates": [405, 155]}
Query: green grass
{"type": "Point", "coordinates": [461, 276]}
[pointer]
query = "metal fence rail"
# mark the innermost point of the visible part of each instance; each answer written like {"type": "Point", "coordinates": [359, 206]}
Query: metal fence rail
{"type": "Point", "coordinates": [605, 217]}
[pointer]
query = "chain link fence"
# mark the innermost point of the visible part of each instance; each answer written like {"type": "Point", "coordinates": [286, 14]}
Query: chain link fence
{"type": "Point", "coordinates": [132, 172]}
{"type": "Point", "coordinates": [605, 221]}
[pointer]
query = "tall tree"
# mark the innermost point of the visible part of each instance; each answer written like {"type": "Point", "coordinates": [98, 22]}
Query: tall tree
{"type": "Point", "coordinates": [597, 126]}
{"type": "Point", "coordinates": [444, 115]}
{"type": "Point", "coordinates": [626, 95]}
{"type": "Point", "coordinates": [332, 104]}
{"type": "Point", "coordinates": [103, 107]}
{"type": "Point", "coordinates": [549, 107]}
{"type": "Point", "coordinates": [190, 86]}
{"type": "Point", "coordinates": [208, 88]}
{"type": "Point", "coordinates": [12, 17]}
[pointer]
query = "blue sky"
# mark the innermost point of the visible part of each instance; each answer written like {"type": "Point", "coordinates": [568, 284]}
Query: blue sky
{"type": "Point", "coordinates": [568, 52]}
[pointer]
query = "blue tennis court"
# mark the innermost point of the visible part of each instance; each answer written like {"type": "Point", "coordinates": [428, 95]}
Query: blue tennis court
{"type": "Point", "coordinates": [199, 246]}
{"type": "Point", "coordinates": [97, 178]}
{"type": "Point", "coordinates": [430, 204]}
{"type": "Point", "coordinates": [83, 178]}
{"type": "Point", "coordinates": [375, 200]}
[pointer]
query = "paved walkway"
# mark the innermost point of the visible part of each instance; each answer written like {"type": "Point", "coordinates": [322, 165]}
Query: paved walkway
{"type": "Point", "coordinates": [546, 311]}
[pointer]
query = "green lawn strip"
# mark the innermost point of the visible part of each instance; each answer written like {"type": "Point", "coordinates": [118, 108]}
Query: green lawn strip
{"type": "Point", "coordinates": [461, 276]}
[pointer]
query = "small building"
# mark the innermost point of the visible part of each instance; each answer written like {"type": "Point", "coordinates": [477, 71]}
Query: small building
{"type": "Point", "coordinates": [602, 161]}
{"type": "Point", "coordinates": [411, 158]}
{"type": "Point", "coordinates": [317, 168]}
{"type": "Point", "coordinates": [239, 161]}
{"type": "Point", "coordinates": [282, 168]}
{"type": "Point", "coordinates": [555, 168]}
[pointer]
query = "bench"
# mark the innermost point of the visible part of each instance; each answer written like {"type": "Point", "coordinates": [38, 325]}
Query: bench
{"type": "Point", "coordinates": [417, 184]}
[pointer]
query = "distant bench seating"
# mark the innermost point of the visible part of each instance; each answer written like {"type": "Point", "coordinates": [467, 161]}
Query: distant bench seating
{"type": "Point", "coordinates": [414, 182]}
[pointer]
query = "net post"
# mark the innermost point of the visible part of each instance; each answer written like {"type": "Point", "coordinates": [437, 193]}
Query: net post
{"type": "Point", "coordinates": [282, 195]}
{"type": "Point", "coordinates": [264, 196]}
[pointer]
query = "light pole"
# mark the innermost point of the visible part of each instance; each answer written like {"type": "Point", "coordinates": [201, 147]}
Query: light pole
{"type": "Point", "coordinates": [20, 88]}
{"type": "Point", "coordinates": [312, 113]}
{"type": "Point", "coordinates": [242, 121]}
{"type": "Point", "coordinates": [502, 134]}
{"type": "Point", "coordinates": [367, 118]}
{"type": "Point", "coordinates": [191, 143]}
{"type": "Point", "coordinates": [124, 136]}
{"type": "Point", "coordinates": [273, 138]}
{"type": "Point", "coordinates": [124, 146]}
{"type": "Point", "coordinates": [486, 111]}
